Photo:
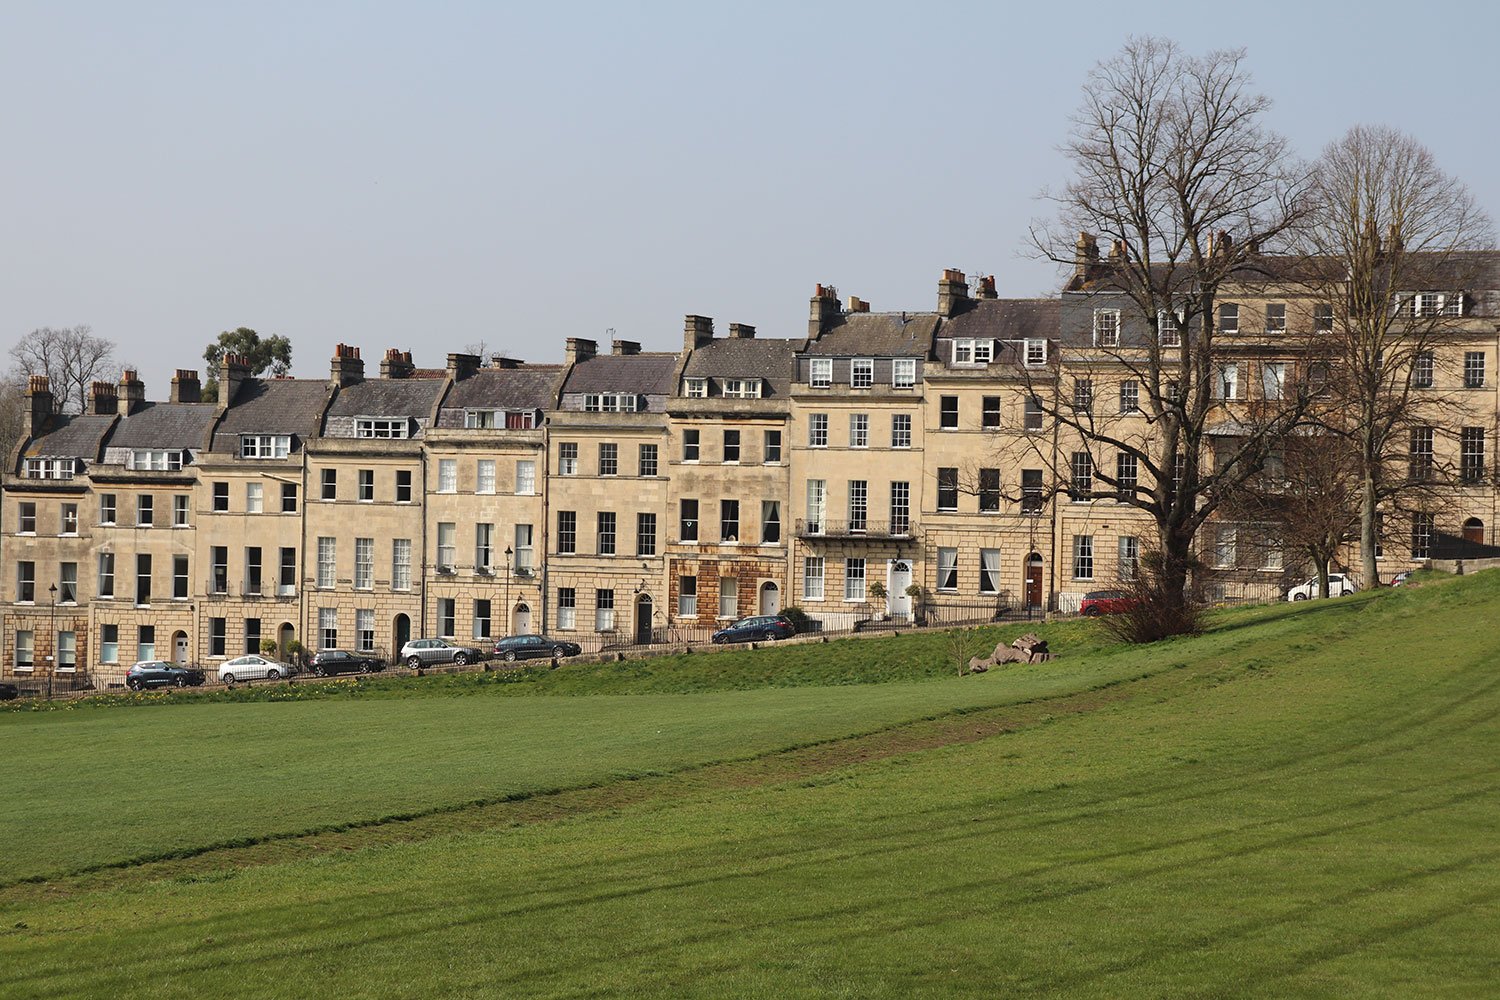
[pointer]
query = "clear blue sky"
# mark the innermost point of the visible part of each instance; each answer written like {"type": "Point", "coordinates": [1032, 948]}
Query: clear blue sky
{"type": "Point", "coordinates": [426, 176]}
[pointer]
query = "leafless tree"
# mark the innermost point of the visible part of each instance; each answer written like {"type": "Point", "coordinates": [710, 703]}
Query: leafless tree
{"type": "Point", "coordinates": [1394, 243]}
{"type": "Point", "coordinates": [12, 411]}
{"type": "Point", "coordinates": [71, 357]}
{"type": "Point", "coordinates": [1169, 155]}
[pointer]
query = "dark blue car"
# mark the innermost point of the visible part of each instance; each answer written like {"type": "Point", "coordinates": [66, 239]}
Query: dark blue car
{"type": "Point", "coordinates": [760, 628]}
{"type": "Point", "coordinates": [159, 673]}
{"type": "Point", "coordinates": [530, 647]}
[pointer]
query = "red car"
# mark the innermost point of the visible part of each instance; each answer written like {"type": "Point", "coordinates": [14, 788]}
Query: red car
{"type": "Point", "coordinates": [1105, 602]}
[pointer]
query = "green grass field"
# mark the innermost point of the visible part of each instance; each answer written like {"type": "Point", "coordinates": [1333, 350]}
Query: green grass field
{"type": "Point", "coordinates": [1301, 803]}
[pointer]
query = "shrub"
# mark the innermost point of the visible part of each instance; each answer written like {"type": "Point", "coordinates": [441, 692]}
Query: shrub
{"type": "Point", "coordinates": [799, 619]}
{"type": "Point", "coordinates": [1152, 612]}
{"type": "Point", "coordinates": [268, 647]}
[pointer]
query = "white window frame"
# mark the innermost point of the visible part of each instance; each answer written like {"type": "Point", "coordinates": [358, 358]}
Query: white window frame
{"type": "Point", "coordinates": [820, 373]}
{"type": "Point", "coordinates": [695, 388]}
{"type": "Point", "coordinates": [1106, 328]}
{"type": "Point", "coordinates": [382, 427]}
{"type": "Point", "coordinates": [904, 373]}
{"type": "Point", "coordinates": [812, 578]}
{"type": "Point", "coordinates": [862, 373]}
{"type": "Point", "coordinates": [265, 446]}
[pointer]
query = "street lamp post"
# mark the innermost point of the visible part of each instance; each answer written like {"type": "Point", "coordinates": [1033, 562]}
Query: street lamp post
{"type": "Point", "coordinates": [508, 554]}
{"type": "Point", "coordinates": [52, 617]}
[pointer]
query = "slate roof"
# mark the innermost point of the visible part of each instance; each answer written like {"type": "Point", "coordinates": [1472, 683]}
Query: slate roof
{"type": "Point", "coordinates": [164, 425]}
{"type": "Point", "coordinates": [388, 397]}
{"type": "Point", "coordinates": [526, 388]}
{"type": "Point", "coordinates": [69, 436]}
{"type": "Point", "coordinates": [1005, 319]}
{"type": "Point", "coordinates": [272, 406]}
{"type": "Point", "coordinates": [885, 335]}
{"type": "Point", "coordinates": [646, 374]}
{"type": "Point", "coordinates": [738, 357]}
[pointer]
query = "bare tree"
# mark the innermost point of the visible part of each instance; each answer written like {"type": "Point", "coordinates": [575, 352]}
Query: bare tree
{"type": "Point", "coordinates": [1393, 242]}
{"type": "Point", "coordinates": [1169, 156]}
{"type": "Point", "coordinates": [12, 411]}
{"type": "Point", "coordinates": [71, 357]}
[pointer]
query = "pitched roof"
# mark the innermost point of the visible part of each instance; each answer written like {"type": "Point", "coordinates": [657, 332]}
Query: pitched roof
{"type": "Point", "coordinates": [746, 357]}
{"type": "Point", "coordinates": [876, 334]}
{"type": "Point", "coordinates": [388, 397]}
{"type": "Point", "coordinates": [69, 436]}
{"type": "Point", "coordinates": [1005, 319]}
{"type": "Point", "coordinates": [272, 406]}
{"type": "Point", "coordinates": [648, 374]}
{"type": "Point", "coordinates": [164, 425]}
{"type": "Point", "coordinates": [526, 388]}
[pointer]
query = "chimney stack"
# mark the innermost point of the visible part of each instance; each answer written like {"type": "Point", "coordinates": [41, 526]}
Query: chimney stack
{"type": "Point", "coordinates": [580, 349]}
{"type": "Point", "coordinates": [952, 289]}
{"type": "Point", "coordinates": [696, 331]}
{"type": "Point", "coordinates": [185, 386]}
{"type": "Point", "coordinates": [39, 396]}
{"type": "Point", "coordinates": [1085, 257]}
{"type": "Point", "coordinates": [858, 305]}
{"type": "Point", "coordinates": [461, 366]}
{"type": "Point", "coordinates": [626, 347]}
{"type": "Point", "coordinates": [397, 364]}
{"type": "Point", "coordinates": [347, 368]}
{"type": "Point", "coordinates": [741, 331]}
{"type": "Point", "coordinates": [102, 399]}
{"type": "Point", "coordinates": [500, 361]}
{"type": "Point", "coordinates": [132, 393]}
{"type": "Point", "coordinates": [825, 309]}
{"type": "Point", "coordinates": [236, 368]}
{"type": "Point", "coordinates": [987, 288]}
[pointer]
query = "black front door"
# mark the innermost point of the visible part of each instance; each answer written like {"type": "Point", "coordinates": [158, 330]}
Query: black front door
{"type": "Point", "coordinates": [643, 620]}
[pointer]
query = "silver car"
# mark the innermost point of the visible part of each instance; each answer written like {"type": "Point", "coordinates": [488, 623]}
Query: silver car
{"type": "Point", "coordinates": [254, 668]}
{"type": "Point", "coordinates": [426, 652]}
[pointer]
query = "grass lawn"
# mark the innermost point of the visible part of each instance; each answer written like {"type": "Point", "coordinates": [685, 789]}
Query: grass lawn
{"type": "Point", "coordinates": [1300, 804]}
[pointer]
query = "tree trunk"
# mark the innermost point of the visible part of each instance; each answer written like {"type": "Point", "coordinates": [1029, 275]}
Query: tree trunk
{"type": "Point", "coordinates": [1367, 540]}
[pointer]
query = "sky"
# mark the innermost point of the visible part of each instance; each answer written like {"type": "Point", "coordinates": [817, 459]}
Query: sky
{"type": "Point", "coordinates": [437, 175]}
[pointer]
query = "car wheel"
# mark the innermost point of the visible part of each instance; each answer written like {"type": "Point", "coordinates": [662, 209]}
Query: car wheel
{"type": "Point", "coordinates": [1092, 611]}
{"type": "Point", "coordinates": [273, 674]}
{"type": "Point", "coordinates": [415, 662]}
{"type": "Point", "coordinates": [558, 652]}
{"type": "Point", "coordinates": [770, 636]}
{"type": "Point", "coordinates": [1299, 597]}
{"type": "Point", "coordinates": [320, 671]}
{"type": "Point", "coordinates": [366, 667]}
{"type": "Point", "coordinates": [510, 655]}
{"type": "Point", "coordinates": [229, 678]}
{"type": "Point", "coordinates": [460, 659]}
{"type": "Point", "coordinates": [181, 682]}
{"type": "Point", "coordinates": [134, 684]}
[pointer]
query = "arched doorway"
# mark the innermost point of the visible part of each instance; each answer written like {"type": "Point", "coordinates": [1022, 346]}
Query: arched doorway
{"type": "Point", "coordinates": [285, 634]}
{"type": "Point", "coordinates": [180, 647]}
{"type": "Point", "coordinates": [400, 635]}
{"type": "Point", "coordinates": [1034, 582]}
{"type": "Point", "coordinates": [1474, 531]}
{"type": "Point", "coordinates": [770, 598]}
{"type": "Point", "coordinates": [643, 620]}
{"type": "Point", "coordinates": [898, 578]}
{"type": "Point", "coordinates": [521, 619]}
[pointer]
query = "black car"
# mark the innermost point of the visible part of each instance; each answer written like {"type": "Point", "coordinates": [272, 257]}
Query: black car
{"type": "Point", "coordinates": [525, 647]}
{"type": "Point", "coordinates": [328, 662]}
{"type": "Point", "coordinates": [757, 628]}
{"type": "Point", "coordinates": [160, 673]}
{"type": "Point", "coordinates": [9, 691]}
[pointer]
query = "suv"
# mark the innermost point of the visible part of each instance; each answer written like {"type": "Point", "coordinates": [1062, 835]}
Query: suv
{"type": "Point", "coordinates": [159, 673]}
{"type": "Point", "coordinates": [764, 627]}
{"type": "Point", "coordinates": [1338, 585]}
{"type": "Point", "coordinates": [425, 652]}
{"type": "Point", "coordinates": [337, 661]}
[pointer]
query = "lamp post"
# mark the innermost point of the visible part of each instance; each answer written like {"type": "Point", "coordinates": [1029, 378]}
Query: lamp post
{"type": "Point", "coordinates": [508, 554]}
{"type": "Point", "coordinates": [52, 616]}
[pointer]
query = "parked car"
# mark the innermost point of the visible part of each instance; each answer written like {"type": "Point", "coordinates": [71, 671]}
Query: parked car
{"type": "Point", "coordinates": [1338, 586]}
{"type": "Point", "coordinates": [426, 652]}
{"type": "Point", "coordinates": [8, 691]}
{"type": "Point", "coordinates": [160, 673]}
{"type": "Point", "coordinates": [526, 647]}
{"type": "Point", "coordinates": [1105, 602]}
{"type": "Point", "coordinates": [327, 662]}
{"type": "Point", "coordinates": [758, 628]}
{"type": "Point", "coordinates": [1399, 580]}
{"type": "Point", "coordinates": [253, 668]}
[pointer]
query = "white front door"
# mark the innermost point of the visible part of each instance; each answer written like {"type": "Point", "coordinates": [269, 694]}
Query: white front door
{"type": "Point", "coordinates": [770, 599]}
{"type": "Point", "coordinates": [179, 648]}
{"type": "Point", "coordinates": [523, 620]}
{"type": "Point", "coordinates": [898, 578]}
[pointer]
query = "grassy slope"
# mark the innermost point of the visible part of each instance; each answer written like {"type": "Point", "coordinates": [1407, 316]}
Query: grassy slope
{"type": "Point", "coordinates": [1308, 813]}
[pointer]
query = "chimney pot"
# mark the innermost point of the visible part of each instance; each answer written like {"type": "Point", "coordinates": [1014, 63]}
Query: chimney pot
{"type": "Point", "coordinates": [823, 310]}
{"type": "Point", "coordinates": [987, 287]}
{"type": "Point", "coordinates": [397, 364]}
{"type": "Point", "coordinates": [102, 398]}
{"type": "Point", "coordinates": [347, 368]}
{"type": "Point", "coordinates": [185, 386]}
{"type": "Point", "coordinates": [131, 394]}
{"type": "Point", "coordinates": [953, 289]}
{"type": "Point", "coordinates": [696, 331]}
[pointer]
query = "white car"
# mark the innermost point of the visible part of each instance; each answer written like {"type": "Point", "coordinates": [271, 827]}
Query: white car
{"type": "Point", "coordinates": [1338, 586]}
{"type": "Point", "coordinates": [254, 668]}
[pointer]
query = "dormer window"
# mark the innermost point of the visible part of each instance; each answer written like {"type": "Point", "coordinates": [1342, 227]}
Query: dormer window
{"type": "Point", "coordinates": [969, 351]}
{"type": "Point", "coordinates": [1428, 304]}
{"type": "Point", "coordinates": [383, 427]}
{"type": "Point", "coordinates": [820, 373]}
{"type": "Point", "coordinates": [862, 373]}
{"type": "Point", "coordinates": [265, 445]}
{"type": "Point", "coordinates": [511, 420]}
{"type": "Point", "coordinates": [611, 402]}
{"type": "Point", "coordinates": [49, 468]}
{"type": "Point", "coordinates": [695, 388]}
{"type": "Point", "coordinates": [742, 388]}
{"type": "Point", "coordinates": [904, 373]}
{"type": "Point", "coordinates": [1036, 353]}
{"type": "Point", "coordinates": [1106, 328]}
{"type": "Point", "coordinates": [157, 461]}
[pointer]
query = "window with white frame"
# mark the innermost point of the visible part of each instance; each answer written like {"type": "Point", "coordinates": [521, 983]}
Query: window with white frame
{"type": "Point", "coordinates": [645, 534]}
{"type": "Point", "coordinates": [742, 388]}
{"type": "Point", "coordinates": [901, 430]}
{"type": "Point", "coordinates": [947, 488]}
{"type": "Point", "coordinates": [859, 430]}
{"type": "Point", "coordinates": [691, 444]}
{"type": "Point", "coordinates": [328, 628]}
{"type": "Point", "coordinates": [447, 475]}
{"type": "Point", "coordinates": [1421, 536]}
{"type": "Point", "coordinates": [900, 507]}
{"type": "Point", "coordinates": [265, 445]}
{"type": "Point", "coordinates": [687, 521]}
{"type": "Point", "coordinates": [1421, 370]}
{"type": "Point", "coordinates": [25, 649]}
{"type": "Point", "coordinates": [154, 460]}
{"type": "Point", "coordinates": [1083, 557]}
{"type": "Point", "coordinates": [145, 642]}
{"type": "Point", "coordinates": [646, 460]}
{"type": "Point", "coordinates": [1130, 396]}
{"type": "Point", "coordinates": [49, 468]}
{"type": "Point", "coordinates": [817, 430]}
{"type": "Point", "coordinates": [68, 519]}
{"type": "Point", "coordinates": [145, 510]}
{"type": "Point", "coordinates": [731, 447]}
{"type": "Point", "coordinates": [820, 373]}
{"type": "Point", "coordinates": [1226, 540]}
{"type": "Point", "coordinates": [525, 477]}
{"type": "Point", "coordinates": [904, 373]}
{"type": "Point", "coordinates": [109, 644]}
{"type": "Point", "coordinates": [1127, 468]}
{"type": "Point", "coordinates": [972, 351]}
{"type": "Point", "coordinates": [611, 402]}
{"type": "Point", "coordinates": [604, 532]}
{"type": "Point", "coordinates": [26, 523]}
{"type": "Point", "coordinates": [604, 610]}
{"type": "Point", "coordinates": [1130, 557]}
{"type": "Point", "coordinates": [729, 602]}
{"type": "Point", "coordinates": [180, 586]}
{"type": "Point", "coordinates": [812, 578]}
{"type": "Point", "coordinates": [107, 508]}
{"type": "Point", "coordinates": [447, 544]}
{"type": "Point", "coordinates": [989, 571]}
{"type": "Point", "coordinates": [67, 652]}
{"type": "Point", "coordinates": [609, 459]}
{"type": "Point", "coordinates": [480, 618]}
{"type": "Point", "coordinates": [859, 504]}
{"type": "Point", "coordinates": [1083, 396]}
{"type": "Point", "coordinates": [447, 613]}
{"type": "Point", "coordinates": [695, 388]}
{"type": "Point", "coordinates": [382, 427]}
{"type": "Point", "coordinates": [862, 373]}
{"type": "Point", "coordinates": [67, 580]}
{"type": "Point", "coordinates": [364, 630]}
{"type": "Point", "coordinates": [364, 563]}
{"type": "Point", "coordinates": [1035, 352]}
{"type": "Point", "coordinates": [254, 498]}
{"type": "Point", "coordinates": [484, 546]}
{"type": "Point", "coordinates": [1473, 369]}
{"type": "Point", "coordinates": [1272, 379]}
{"type": "Point", "coordinates": [484, 476]}
{"type": "Point", "coordinates": [567, 458]}
{"type": "Point", "coordinates": [330, 484]}
{"type": "Point", "coordinates": [854, 579]}
{"type": "Point", "coordinates": [286, 582]}
{"type": "Point", "coordinates": [770, 522]}
{"type": "Point", "coordinates": [947, 568]}
{"type": "Point", "coordinates": [1033, 417]}
{"type": "Point", "coordinates": [1106, 328]}
{"type": "Point", "coordinates": [687, 597]}
{"type": "Point", "coordinates": [1419, 462]}
{"type": "Point", "coordinates": [1276, 317]}
{"type": "Point", "coordinates": [523, 553]}
{"type": "Point", "coordinates": [106, 574]}
{"type": "Point", "coordinates": [817, 505]}
{"type": "Point", "coordinates": [1229, 317]}
{"type": "Point", "coordinates": [1082, 487]}
{"type": "Point", "coordinates": [1227, 382]}
{"type": "Point", "coordinates": [401, 564]}
{"type": "Point", "coordinates": [327, 562]}
{"type": "Point", "coordinates": [771, 448]}
{"type": "Point", "coordinates": [1471, 454]}
{"type": "Point", "coordinates": [1322, 318]}
{"type": "Point", "coordinates": [1167, 333]}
